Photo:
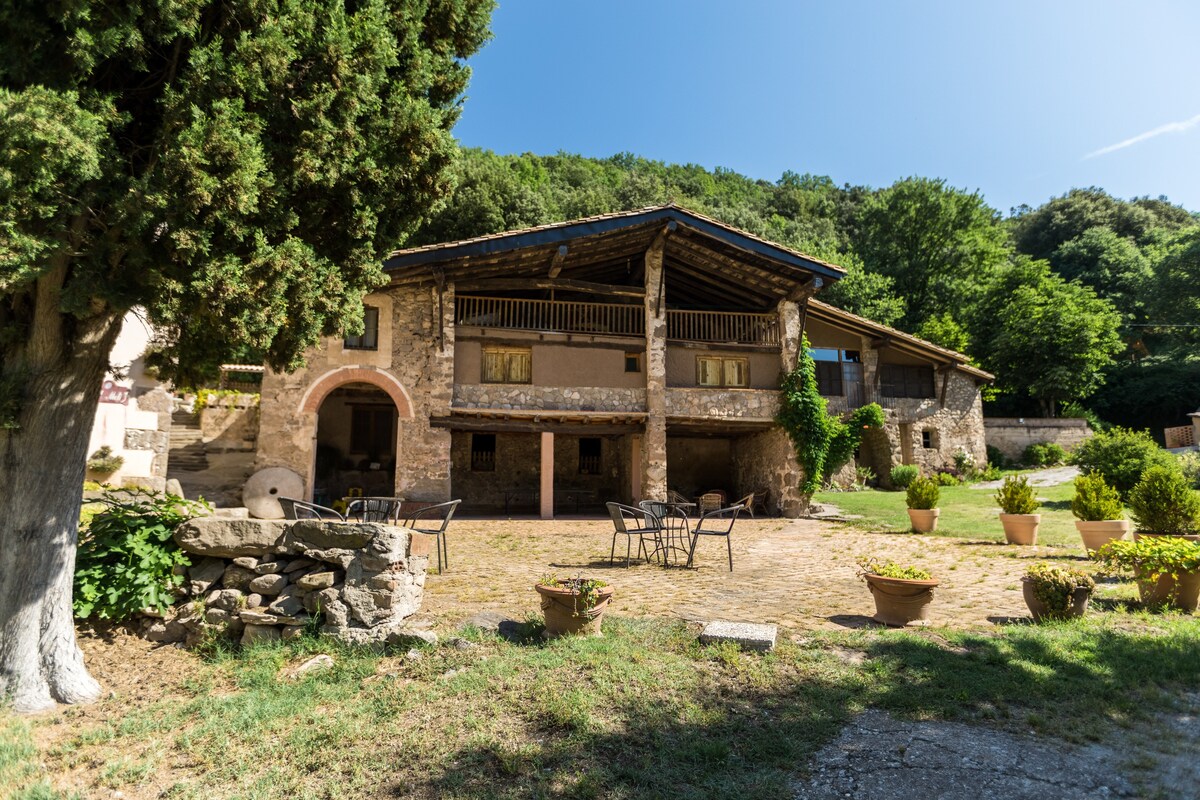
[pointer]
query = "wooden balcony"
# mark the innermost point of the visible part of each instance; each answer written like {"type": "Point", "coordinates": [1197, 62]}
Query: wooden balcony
{"type": "Point", "coordinates": [723, 327]}
{"type": "Point", "coordinates": [551, 316]}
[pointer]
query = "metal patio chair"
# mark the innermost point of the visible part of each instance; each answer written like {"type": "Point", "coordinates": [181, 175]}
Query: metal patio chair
{"type": "Point", "coordinates": [374, 509]}
{"type": "Point", "coordinates": [631, 522]}
{"type": "Point", "coordinates": [302, 509]}
{"type": "Point", "coordinates": [673, 526]}
{"type": "Point", "coordinates": [434, 520]}
{"type": "Point", "coordinates": [716, 523]}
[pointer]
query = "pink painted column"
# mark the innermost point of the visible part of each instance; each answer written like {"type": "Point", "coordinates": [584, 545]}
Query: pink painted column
{"type": "Point", "coordinates": [547, 475]}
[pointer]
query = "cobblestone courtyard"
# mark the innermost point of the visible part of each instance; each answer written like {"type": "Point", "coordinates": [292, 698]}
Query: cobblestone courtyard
{"type": "Point", "coordinates": [800, 574]}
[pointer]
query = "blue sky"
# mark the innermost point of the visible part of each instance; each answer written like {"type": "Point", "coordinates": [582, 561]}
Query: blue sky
{"type": "Point", "coordinates": [1021, 100]}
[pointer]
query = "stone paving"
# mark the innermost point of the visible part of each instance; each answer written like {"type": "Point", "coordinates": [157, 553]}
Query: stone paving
{"type": "Point", "coordinates": [799, 574]}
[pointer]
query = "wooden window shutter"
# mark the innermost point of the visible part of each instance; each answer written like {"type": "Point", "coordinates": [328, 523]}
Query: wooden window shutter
{"type": "Point", "coordinates": [519, 367]}
{"type": "Point", "coordinates": [493, 366]}
{"type": "Point", "coordinates": [737, 372]}
{"type": "Point", "coordinates": [708, 371]}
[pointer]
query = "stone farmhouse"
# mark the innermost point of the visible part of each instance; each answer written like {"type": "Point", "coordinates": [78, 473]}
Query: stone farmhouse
{"type": "Point", "coordinates": [607, 358]}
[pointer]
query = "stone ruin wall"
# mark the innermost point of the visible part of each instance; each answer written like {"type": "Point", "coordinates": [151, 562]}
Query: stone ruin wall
{"type": "Point", "coordinates": [1011, 435]}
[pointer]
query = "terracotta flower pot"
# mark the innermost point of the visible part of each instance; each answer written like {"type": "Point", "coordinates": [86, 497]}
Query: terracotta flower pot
{"type": "Point", "coordinates": [924, 520]}
{"type": "Point", "coordinates": [1037, 609]}
{"type": "Point", "coordinates": [1099, 533]}
{"type": "Point", "coordinates": [1182, 592]}
{"type": "Point", "coordinates": [899, 601]}
{"type": "Point", "coordinates": [565, 614]}
{"type": "Point", "coordinates": [1021, 528]}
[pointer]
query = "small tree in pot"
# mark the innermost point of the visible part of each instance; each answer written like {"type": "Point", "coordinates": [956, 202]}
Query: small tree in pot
{"type": "Point", "coordinates": [1167, 568]}
{"type": "Point", "coordinates": [1100, 517]}
{"type": "Point", "coordinates": [922, 499]}
{"type": "Point", "coordinates": [1163, 504]}
{"type": "Point", "coordinates": [1056, 592]}
{"type": "Point", "coordinates": [1016, 501]}
{"type": "Point", "coordinates": [902, 594]}
{"type": "Point", "coordinates": [573, 605]}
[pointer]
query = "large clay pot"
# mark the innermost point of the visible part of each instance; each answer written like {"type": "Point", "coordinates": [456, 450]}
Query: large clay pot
{"type": "Point", "coordinates": [565, 614]}
{"type": "Point", "coordinates": [1182, 592]}
{"type": "Point", "coordinates": [899, 601]}
{"type": "Point", "coordinates": [1099, 533]}
{"type": "Point", "coordinates": [1037, 609]}
{"type": "Point", "coordinates": [1021, 528]}
{"type": "Point", "coordinates": [924, 520]}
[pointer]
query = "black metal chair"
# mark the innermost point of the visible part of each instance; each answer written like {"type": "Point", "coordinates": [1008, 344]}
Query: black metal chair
{"type": "Point", "coordinates": [374, 509]}
{"type": "Point", "coordinates": [631, 522]}
{"type": "Point", "coordinates": [714, 524]}
{"type": "Point", "coordinates": [302, 509]}
{"type": "Point", "coordinates": [442, 512]}
{"type": "Point", "coordinates": [674, 528]}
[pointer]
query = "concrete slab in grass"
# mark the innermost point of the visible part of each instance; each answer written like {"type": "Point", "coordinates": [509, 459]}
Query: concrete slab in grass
{"type": "Point", "coordinates": [747, 635]}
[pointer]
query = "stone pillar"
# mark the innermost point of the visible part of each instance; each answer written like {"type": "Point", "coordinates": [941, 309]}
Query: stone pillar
{"type": "Point", "coordinates": [789, 333]}
{"type": "Point", "coordinates": [547, 476]}
{"type": "Point", "coordinates": [654, 461]}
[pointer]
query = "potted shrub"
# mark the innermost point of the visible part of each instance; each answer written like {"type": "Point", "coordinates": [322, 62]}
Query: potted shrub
{"type": "Point", "coordinates": [1016, 501]}
{"type": "Point", "coordinates": [1100, 517]}
{"type": "Point", "coordinates": [922, 501]}
{"type": "Point", "coordinates": [1167, 568]}
{"type": "Point", "coordinates": [902, 594]}
{"type": "Point", "coordinates": [1056, 592]}
{"type": "Point", "coordinates": [573, 605]}
{"type": "Point", "coordinates": [103, 463]}
{"type": "Point", "coordinates": [1162, 504]}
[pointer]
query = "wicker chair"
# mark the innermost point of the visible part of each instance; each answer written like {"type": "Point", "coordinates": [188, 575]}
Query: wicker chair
{"type": "Point", "coordinates": [710, 501]}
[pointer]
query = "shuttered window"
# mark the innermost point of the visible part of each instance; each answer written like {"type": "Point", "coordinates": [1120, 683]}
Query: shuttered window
{"type": "Point", "coordinates": [829, 379]}
{"type": "Point", "coordinates": [903, 380]}
{"type": "Point", "coordinates": [730, 373]}
{"type": "Point", "coordinates": [507, 365]}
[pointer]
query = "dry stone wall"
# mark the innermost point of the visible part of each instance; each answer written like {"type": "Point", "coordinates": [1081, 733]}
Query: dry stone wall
{"type": "Point", "coordinates": [1011, 435]}
{"type": "Point", "coordinates": [723, 403]}
{"type": "Point", "coordinates": [556, 398]}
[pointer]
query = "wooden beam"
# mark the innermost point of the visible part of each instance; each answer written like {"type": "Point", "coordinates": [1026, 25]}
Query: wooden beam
{"type": "Point", "coordinates": [556, 263]}
{"type": "Point", "coordinates": [561, 284]}
{"type": "Point", "coordinates": [804, 291]}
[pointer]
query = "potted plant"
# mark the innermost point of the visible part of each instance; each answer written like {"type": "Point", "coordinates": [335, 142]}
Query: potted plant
{"type": "Point", "coordinates": [1167, 568]}
{"type": "Point", "coordinates": [1162, 504]}
{"type": "Point", "coordinates": [1053, 591]}
{"type": "Point", "coordinates": [902, 594]}
{"type": "Point", "coordinates": [573, 605]}
{"type": "Point", "coordinates": [1100, 517]}
{"type": "Point", "coordinates": [103, 463]}
{"type": "Point", "coordinates": [1016, 501]}
{"type": "Point", "coordinates": [922, 501]}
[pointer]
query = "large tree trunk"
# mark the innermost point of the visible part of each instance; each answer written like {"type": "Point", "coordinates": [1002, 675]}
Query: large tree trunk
{"type": "Point", "coordinates": [62, 362]}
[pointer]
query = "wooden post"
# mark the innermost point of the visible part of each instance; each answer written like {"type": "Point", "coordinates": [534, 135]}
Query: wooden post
{"type": "Point", "coordinates": [547, 476]}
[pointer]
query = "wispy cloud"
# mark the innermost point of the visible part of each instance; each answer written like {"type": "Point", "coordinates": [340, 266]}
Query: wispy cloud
{"type": "Point", "coordinates": [1170, 127]}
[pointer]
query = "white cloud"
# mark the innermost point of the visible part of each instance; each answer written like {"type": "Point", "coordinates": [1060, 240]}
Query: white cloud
{"type": "Point", "coordinates": [1170, 127]}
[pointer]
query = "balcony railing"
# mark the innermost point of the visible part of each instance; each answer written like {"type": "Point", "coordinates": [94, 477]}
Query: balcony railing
{"type": "Point", "coordinates": [558, 316]}
{"type": "Point", "coordinates": [725, 327]}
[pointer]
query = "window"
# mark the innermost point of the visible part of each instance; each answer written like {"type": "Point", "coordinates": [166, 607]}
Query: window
{"type": "Point", "coordinates": [929, 439]}
{"type": "Point", "coordinates": [369, 340]}
{"type": "Point", "coordinates": [829, 379]}
{"type": "Point", "coordinates": [589, 456]}
{"type": "Point", "coordinates": [371, 430]}
{"type": "Point", "coordinates": [633, 362]}
{"type": "Point", "coordinates": [483, 452]}
{"type": "Point", "coordinates": [506, 365]}
{"type": "Point", "coordinates": [901, 380]}
{"type": "Point", "coordinates": [835, 369]}
{"type": "Point", "coordinates": [731, 373]}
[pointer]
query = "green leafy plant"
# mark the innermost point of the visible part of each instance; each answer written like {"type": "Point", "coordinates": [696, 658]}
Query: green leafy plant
{"type": "Point", "coordinates": [863, 476]}
{"type": "Point", "coordinates": [1043, 454]}
{"type": "Point", "coordinates": [1121, 455]}
{"type": "Point", "coordinates": [1151, 557]}
{"type": "Point", "coordinates": [1189, 465]}
{"type": "Point", "coordinates": [585, 592]}
{"type": "Point", "coordinates": [946, 479]}
{"type": "Point", "coordinates": [1015, 496]}
{"type": "Point", "coordinates": [990, 473]}
{"type": "Point", "coordinates": [923, 493]}
{"type": "Point", "coordinates": [964, 462]}
{"type": "Point", "coordinates": [904, 474]}
{"type": "Point", "coordinates": [823, 443]}
{"type": "Point", "coordinates": [1163, 502]}
{"type": "Point", "coordinates": [995, 457]}
{"type": "Point", "coordinates": [1095, 500]}
{"type": "Point", "coordinates": [1055, 586]}
{"type": "Point", "coordinates": [211, 398]}
{"type": "Point", "coordinates": [890, 569]}
{"type": "Point", "coordinates": [127, 558]}
{"type": "Point", "coordinates": [103, 462]}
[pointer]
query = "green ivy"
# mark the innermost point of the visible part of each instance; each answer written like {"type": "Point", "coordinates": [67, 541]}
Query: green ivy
{"type": "Point", "coordinates": [823, 443]}
{"type": "Point", "coordinates": [128, 559]}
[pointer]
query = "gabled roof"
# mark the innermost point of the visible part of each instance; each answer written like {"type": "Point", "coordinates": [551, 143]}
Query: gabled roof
{"type": "Point", "coordinates": [905, 341]}
{"type": "Point", "coordinates": [711, 263]}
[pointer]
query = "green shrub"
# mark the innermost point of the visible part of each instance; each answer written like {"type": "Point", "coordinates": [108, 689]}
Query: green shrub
{"type": "Point", "coordinates": [127, 558]}
{"type": "Point", "coordinates": [1189, 465]}
{"type": "Point", "coordinates": [1120, 455]}
{"type": "Point", "coordinates": [863, 476]}
{"type": "Point", "coordinates": [995, 457]}
{"type": "Point", "coordinates": [1043, 454]}
{"type": "Point", "coordinates": [1163, 502]}
{"type": "Point", "coordinates": [923, 493]}
{"type": "Point", "coordinates": [991, 473]}
{"type": "Point", "coordinates": [1015, 496]}
{"type": "Point", "coordinates": [103, 462]}
{"type": "Point", "coordinates": [904, 474]}
{"type": "Point", "coordinates": [1151, 556]}
{"type": "Point", "coordinates": [1095, 500]}
{"type": "Point", "coordinates": [1055, 586]}
{"type": "Point", "coordinates": [890, 569]}
{"type": "Point", "coordinates": [946, 479]}
{"type": "Point", "coordinates": [964, 462]}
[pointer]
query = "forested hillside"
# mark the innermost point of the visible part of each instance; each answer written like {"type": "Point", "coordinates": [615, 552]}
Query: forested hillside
{"type": "Point", "coordinates": [1087, 300]}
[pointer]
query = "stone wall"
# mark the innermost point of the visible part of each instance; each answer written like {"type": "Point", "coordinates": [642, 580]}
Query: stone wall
{"type": "Point", "coordinates": [557, 398]}
{"type": "Point", "coordinates": [230, 424]}
{"type": "Point", "coordinates": [723, 403]}
{"type": "Point", "coordinates": [767, 461]}
{"type": "Point", "coordinates": [259, 580]}
{"type": "Point", "coordinates": [1011, 435]}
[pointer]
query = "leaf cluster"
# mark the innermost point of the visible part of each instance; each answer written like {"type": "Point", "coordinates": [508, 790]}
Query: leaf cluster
{"type": "Point", "coordinates": [1151, 556]}
{"type": "Point", "coordinates": [890, 569]}
{"type": "Point", "coordinates": [1163, 502]}
{"type": "Point", "coordinates": [1015, 496]}
{"type": "Point", "coordinates": [1055, 585]}
{"type": "Point", "coordinates": [923, 493]}
{"type": "Point", "coordinates": [1095, 500]}
{"type": "Point", "coordinates": [902, 475]}
{"type": "Point", "coordinates": [1120, 455]}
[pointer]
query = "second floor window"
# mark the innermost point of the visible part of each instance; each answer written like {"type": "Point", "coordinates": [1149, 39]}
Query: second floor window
{"type": "Point", "coordinates": [369, 339]}
{"type": "Point", "coordinates": [507, 365]}
{"type": "Point", "coordinates": [903, 380]}
{"type": "Point", "coordinates": [729, 373]}
{"type": "Point", "coordinates": [835, 369]}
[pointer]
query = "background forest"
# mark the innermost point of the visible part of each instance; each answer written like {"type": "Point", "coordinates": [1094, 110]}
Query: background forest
{"type": "Point", "coordinates": [1087, 304]}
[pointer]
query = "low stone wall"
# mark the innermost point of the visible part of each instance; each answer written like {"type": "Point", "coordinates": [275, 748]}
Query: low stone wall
{"type": "Point", "coordinates": [550, 398]}
{"type": "Point", "coordinates": [1011, 435]}
{"type": "Point", "coordinates": [268, 579]}
{"type": "Point", "coordinates": [230, 425]}
{"type": "Point", "coordinates": [723, 403]}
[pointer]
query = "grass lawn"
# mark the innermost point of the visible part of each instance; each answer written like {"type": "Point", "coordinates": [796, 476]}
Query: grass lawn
{"type": "Point", "coordinates": [643, 712]}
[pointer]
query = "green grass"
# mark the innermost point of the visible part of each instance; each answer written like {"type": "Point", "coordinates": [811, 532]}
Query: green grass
{"type": "Point", "coordinates": [643, 712]}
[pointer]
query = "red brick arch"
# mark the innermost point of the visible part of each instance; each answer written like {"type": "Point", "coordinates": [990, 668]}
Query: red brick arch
{"type": "Point", "coordinates": [320, 389]}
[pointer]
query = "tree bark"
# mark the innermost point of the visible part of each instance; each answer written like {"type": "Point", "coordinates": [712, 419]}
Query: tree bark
{"type": "Point", "coordinates": [62, 361]}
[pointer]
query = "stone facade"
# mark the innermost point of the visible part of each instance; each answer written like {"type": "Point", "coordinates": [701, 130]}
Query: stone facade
{"type": "Point", "coordinates": [755, 404]}
{"type": "Point", "coordinates": [1011, 435]}
{"type": "Point", "coordinates": [230, 424]}
{"type": "Point", "coordinates": [557, 398]}
{"type": "Point", "coordinates": [767, 460]}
